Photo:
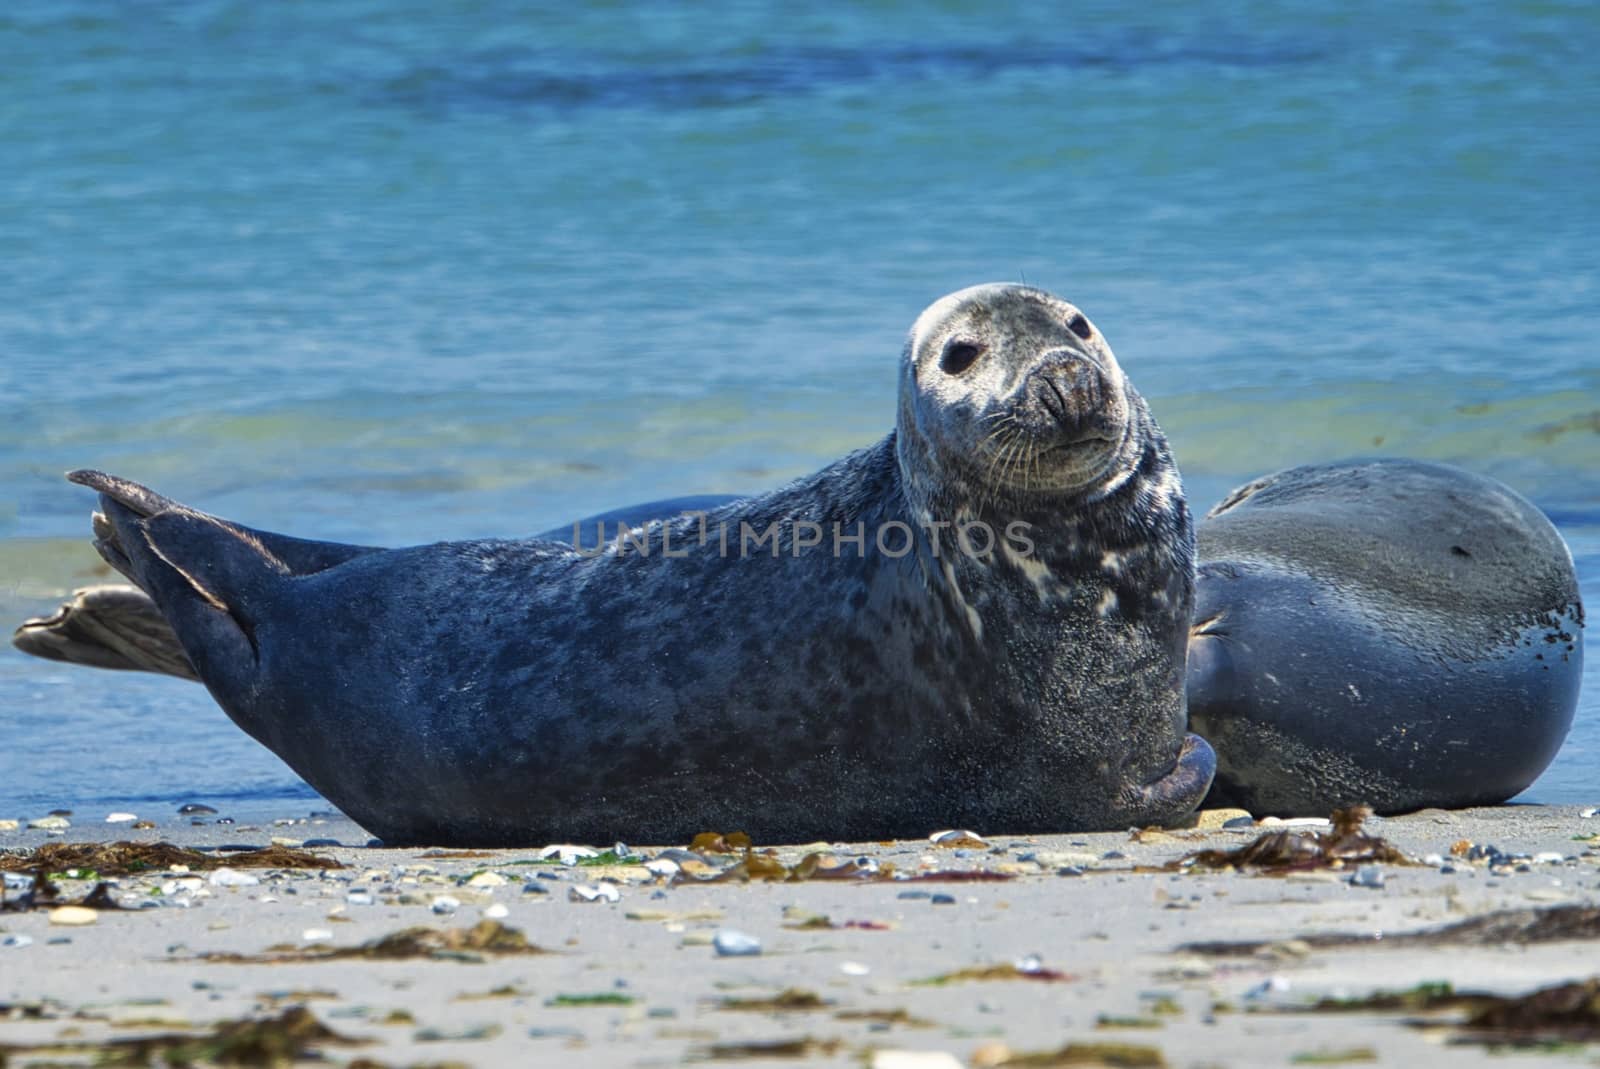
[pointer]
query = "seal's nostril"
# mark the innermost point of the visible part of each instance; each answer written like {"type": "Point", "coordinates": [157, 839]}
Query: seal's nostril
{"type": "Point", "coordinates": [1053, 389]}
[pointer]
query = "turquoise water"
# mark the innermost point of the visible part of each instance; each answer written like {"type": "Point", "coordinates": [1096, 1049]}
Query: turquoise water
{"type": "Point", "coordinates": [405, 271]}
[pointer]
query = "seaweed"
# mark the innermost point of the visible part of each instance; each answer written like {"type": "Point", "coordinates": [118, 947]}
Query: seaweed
{"type": "Point", "coordinates": [994, 972]}
{"type": "Point", "coordinates": [1299, 850]}
{"type": "Point", "coordinates": [503, 991]}
{"type": "Point", "coordinates": [1560, 1014]}
{"type": "Point", "coordinates": [1516, 927]}
{"type": "Point", "coordinates": [1425, 997]}
{"type": "Point", "coordinates": [601, 998]}
{"type": "Point", "coordinates": [1108, 1055]}
{"type": "Point", "coordinates": [451, 944]}
{"type": "Point", "coordinates": [127, 858]}
{"type": "Point", "coordinates": [813, 866]}
{"type": "Point", "coordinates": [789, 1000]}
{"type": "Point", "coordinates": [884, 1017]}
{"type": "Point", "coordinates": [1337, 1056]}
{"type": "Point", "coordinates": [270, 1041]}
{"type": "Point", "coordinates": [821, 922]}
{"type": "Point", "coordinates": [711, 842]}
{"type": "Point", "coordinates": [802, 1047]}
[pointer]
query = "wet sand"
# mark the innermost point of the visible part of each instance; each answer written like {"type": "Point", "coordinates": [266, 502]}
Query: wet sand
{"type": "Point", "coordinates": [1089, 933]}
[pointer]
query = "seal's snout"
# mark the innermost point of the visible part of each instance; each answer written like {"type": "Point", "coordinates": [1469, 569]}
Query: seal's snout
{"type": "Point", "coordinates": [1070, 391]}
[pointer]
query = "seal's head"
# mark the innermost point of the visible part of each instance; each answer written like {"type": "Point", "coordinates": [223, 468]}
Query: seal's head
{"type": "Point", "coordinates": [1008, 390]}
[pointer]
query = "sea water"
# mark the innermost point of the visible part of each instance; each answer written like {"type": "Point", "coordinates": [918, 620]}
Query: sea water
{"type": "Point", "coordinates": [405, 271]}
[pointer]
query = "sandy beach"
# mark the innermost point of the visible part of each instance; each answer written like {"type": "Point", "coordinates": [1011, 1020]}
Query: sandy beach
{"type": "Point", "coordinates": [1073, 949]}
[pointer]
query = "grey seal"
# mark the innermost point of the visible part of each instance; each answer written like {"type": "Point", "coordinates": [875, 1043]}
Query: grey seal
{"type": "Point", "coordinates": [1389, 632]}
{"type": "Point", "coordinates": [981, 619]}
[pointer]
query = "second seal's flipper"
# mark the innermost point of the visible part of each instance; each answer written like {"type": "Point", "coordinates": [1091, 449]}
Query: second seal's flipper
{"type": "Point", "coordinates": [107, 627]}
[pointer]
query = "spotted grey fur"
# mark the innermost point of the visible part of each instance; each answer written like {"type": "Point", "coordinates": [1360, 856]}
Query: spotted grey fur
{"type": "Point", "coordinates": [525, 691]}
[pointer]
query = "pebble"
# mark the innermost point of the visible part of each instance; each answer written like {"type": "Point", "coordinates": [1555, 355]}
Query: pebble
{"type": "Point", "coordinates": [16, 940]}
{"type": "Point", "coordinates": [226, 877]}
{"type": "Point", "coordinates": [1549, 858]}
{"type": "Point", "coordinates": [316, 935]}
{"type": "Point", "coordinates": [1296, 822]}
{"type": "Point", "coordinates": [1589, 812]}
{"type": "Point", "coordinates": [1193, 968]}
{"type": "Point", "coordinates": [445, 904]}
{"type": "Point", "coordinates": [487, 879]}
{"type": "Point", "coordinates": [731, 943]}
{"type": "Point", "coordinates": [854, 968]}
{"type": "Point", "coordinates": [497, 912]}
{"type": "Point", "coordinates": [1212, 819]}
{"type": "Point", "coordinates": [662, 867]}
{"type": "Point", "coordinates": [913, 895]}
{"type": "Point", "coordinates": [9, 825]}
{"type": "Point", "coordinates": [73, 916]}
{"type": "Point", "coordinates": [942, 900]}
{"type": "Point", "coordinates": [1368, 876]}
{"type": "Point", "coordinates": [284, 841]}
{"type": "Point", "coordinates": [567, 853]}
{"type": "Point", "coordinates": [121, 818]}
{"type": "Point", "coordinates": [191, 809]}
{"type": "Point", "coordinates": [600, 892]}
{"type": "Point", "coordinates": [958, 835]}
{"type": "Point", "coordinates": [1069, 870]}
{"type": "Point", "coordinates": [914, 1059]}
{"type": "Point", "coordinates": [532, 887]}
{"type": "Point", "coordinates": [50, 823]}
{"type": "Point", "coordinates": [1244, 823]}
{"type": "Point", "coordinates": [322, 843]}
{"type": "Point", "coordinates": [359, 898]}
{"type": "Point", "coordinates": [1272, 985]}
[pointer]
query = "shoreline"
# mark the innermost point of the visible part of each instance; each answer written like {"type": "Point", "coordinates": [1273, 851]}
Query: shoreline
{"type": "Point", "coordinates": [1097, 928]}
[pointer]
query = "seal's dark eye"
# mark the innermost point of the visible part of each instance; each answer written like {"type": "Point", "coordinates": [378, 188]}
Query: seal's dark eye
{"type": "Point", "coordinates": [1080, 326]}
{"type": "Point", "coordinates": [958, 356]}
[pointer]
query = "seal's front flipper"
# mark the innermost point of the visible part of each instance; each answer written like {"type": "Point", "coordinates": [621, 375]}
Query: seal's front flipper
{"type": "Point", "coordinates": [1175, 795]}
{"type": "Point", "coordinates": [107, 627]}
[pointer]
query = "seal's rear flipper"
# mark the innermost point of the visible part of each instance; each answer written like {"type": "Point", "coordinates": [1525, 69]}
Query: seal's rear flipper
{"type": "Point", "coordinates": [210, 580]}
{"type": "Point", "coordinates": [107, 627]}
{"type": "Point", "coordinates": [141, 500]}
